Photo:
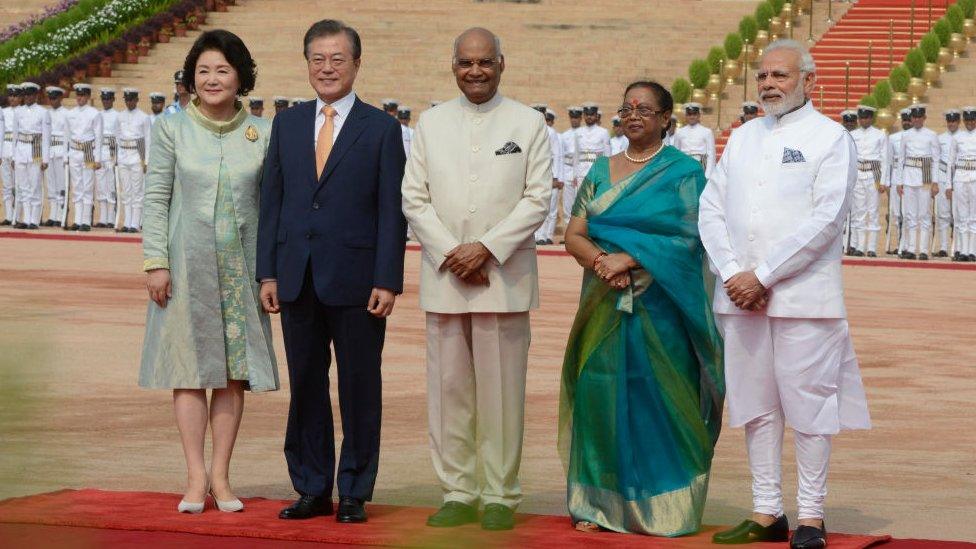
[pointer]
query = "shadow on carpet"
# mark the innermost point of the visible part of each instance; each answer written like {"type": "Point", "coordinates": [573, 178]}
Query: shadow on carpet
{"type": "Point", "coordinates": [387, 526]}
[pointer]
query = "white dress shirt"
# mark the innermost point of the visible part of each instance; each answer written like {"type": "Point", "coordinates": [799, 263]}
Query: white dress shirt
{"type": "Point", "coordinates": [32, 120]}
{"type": "Point", "coordinates": [618, 144]}
{"type": "Point", "coordinates": [133, 126]}
{"type": "Point", "coordinates": [85, 124]}
{"type": "Point", "coordinates": [59, 130]}
{"type": "Point", "coordinates": [7, 147]}
{"type": "Point", "coordinates": [776, 205]}
{"type": "Point", "coordinates": [567, 167]}
{"type": "Point", "coordinates": [555, 145]}
{"type": "Point", "coordinates": [406, 132]}
{"type": "Point", "coordinates": [962, 151]}
{"type": "Point", "coordinates": [918, 143]}
{"type": "Point", "coordinates": [342, 108]}
{"type": "Point", "coordinates": [945, 141]}
{"type": "Point", "coordinates": [697, 140]}
{"type": "Point", "coordinates": [591, 142]}
{"type": "Point", "coordinates": [873, 146]}
{"type": "Point", "coordinates": [895, 141]}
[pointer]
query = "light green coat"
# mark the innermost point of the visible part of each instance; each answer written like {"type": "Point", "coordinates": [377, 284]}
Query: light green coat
{"type": "Point", "coordinates": [184, 343]}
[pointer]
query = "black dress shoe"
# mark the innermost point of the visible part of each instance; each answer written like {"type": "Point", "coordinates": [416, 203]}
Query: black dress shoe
{"type": "Point", "coordinates": [32, 227]}
{"type": "Point", "coordinates": [72, 227]}
{"type": "Point", "coordinates": [453, 513]}
{"type": "Point", "coordinates": [85, 228]}
{"type": "Point", "coordinates": [20, 225]}
{"type": "Point", "coordinates": [110, 225]}
{"type": "Point", "coordinates": [540, 242]}
{"type": "Point", "coordinates": [942, 253]}
{"type": "Point", "coordinates": [56, 224]}
{"type": "Point", "coordinates": [809, 537]}
{"type": "Point", "coordinates": [857, 253]}
{"type": "Point", "coordinates": [99, 225]}
{"type": "Point", "coordinates": [749, 531]}
{"type": "Point", "coordinates": [549, 241]}
{"type": "Point", "coordinates": [6, 222]}
{"type": "Point", "coordinates": [351, 510]}
{"type": "Point", "coordinates": [306, 507]}
{"type": "Point", "coordinates": [972, 257]}
{"type": "Point", "coordinates": [923, 257]}
{"type": "Point", "coordinates": [497, 517]}
{"type": "Point", "coordinates": [872, 254]}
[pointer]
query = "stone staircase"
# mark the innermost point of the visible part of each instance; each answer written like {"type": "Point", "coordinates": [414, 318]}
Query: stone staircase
{"type": "Point", "coordinates": [561, 52]}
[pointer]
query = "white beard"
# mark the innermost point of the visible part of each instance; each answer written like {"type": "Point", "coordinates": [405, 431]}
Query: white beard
{"type": "Point", "coordinates": [791, 101]}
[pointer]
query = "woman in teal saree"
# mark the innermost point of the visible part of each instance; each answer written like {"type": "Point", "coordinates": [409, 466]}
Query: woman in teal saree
{"type": "Point", "coordinates": [642, 384]}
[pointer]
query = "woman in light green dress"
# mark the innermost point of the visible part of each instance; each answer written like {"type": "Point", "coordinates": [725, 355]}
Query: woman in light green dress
{"type": "Point", "coordinates": [205, 328]}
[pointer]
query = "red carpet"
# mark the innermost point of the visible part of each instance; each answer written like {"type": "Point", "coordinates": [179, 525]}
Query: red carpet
{"type": "Point", "coordinates": [387, 526]}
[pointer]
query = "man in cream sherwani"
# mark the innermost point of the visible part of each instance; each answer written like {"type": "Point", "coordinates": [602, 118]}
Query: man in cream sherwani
{"type": "Point", "coordinates": [772, 218]}
{"type": "Point", "coordinates": [476, 187]}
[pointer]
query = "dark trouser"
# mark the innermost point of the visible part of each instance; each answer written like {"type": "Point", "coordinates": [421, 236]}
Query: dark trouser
{"type": "Point", "coordinates": [357, 337]}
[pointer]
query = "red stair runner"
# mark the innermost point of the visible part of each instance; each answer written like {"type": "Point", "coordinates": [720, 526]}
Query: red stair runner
{"type": "Point", "coordinates": [847, 41]}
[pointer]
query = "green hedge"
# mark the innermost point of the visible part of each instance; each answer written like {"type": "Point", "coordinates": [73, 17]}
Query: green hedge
{"type": "Point", "coordinates": [915, 62]}
{"type": "Point", "coordinates": [764, 12]}
{"type": "Point", "coordinates": [748, 29]}
{"type": "Point", "coordinates": [882, 93]}
{"type": "Point", "coordinates": [681, 90]}
{"type": "Point", "coordinates": [870, 101]}
{"type": "Point", "coordinates": [899, 78]}
{"type": "Point", "coordinates": [942, 29]}
{"type": "Point", "coordinates": [930, 47]}
{"type": "Point", "coordinates": [716, 56]}
{"type": "Point", "coordinates": [955, 17]}
{"type": "Point", "coordinates": [698, 73]}
{"type": "Point", "coordinates": [968, 7]}
{"type": "Point", "coordinates": [733, 45]}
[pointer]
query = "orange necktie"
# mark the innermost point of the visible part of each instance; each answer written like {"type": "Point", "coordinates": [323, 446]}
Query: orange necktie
{"type": "Point", "coordinates": [324, 144]}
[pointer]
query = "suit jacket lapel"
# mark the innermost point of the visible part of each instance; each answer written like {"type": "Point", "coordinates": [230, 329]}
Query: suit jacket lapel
{"type": "Point", "coordinates": [348, 135]}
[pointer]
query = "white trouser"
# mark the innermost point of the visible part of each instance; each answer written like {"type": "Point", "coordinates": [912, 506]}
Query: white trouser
{"type": "Point", "coordinates": [548, 228]}
{"type": "Point", "coordinates": [82, 187]}
{"type": "Point", "coordinates": [569, 199]}
{"type": "Point", "coordinates": [917, 208]}
{"type": "Point", "coordinates": [964, 205]}
{"type": "Point", "coordinates": [105, 192]}
{"type": "Point", "coordinates": [55, 175]}
{"type": "Point", "coordinates": [7, 188]}
{"type": "Point", "coordinates": [29, 192]}
{"type": "Point", "coordinates": [895, 220]}
{"type": "Point", "coordinates": [864, 213]}
{"type": "Point", "coordinates": [943, 217]}
{"type": "Point", "coordinates": [476, 366]}
{"type": "Point", "coordinates": [805, 367]}
{"type": "Point", "coordinates": [764, 441]}
{"type": "Point", "coordinates": [133, 181]}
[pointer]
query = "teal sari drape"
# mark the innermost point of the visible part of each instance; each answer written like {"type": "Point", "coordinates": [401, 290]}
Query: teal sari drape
{"type": "Point", "coordinates": [642, 382]}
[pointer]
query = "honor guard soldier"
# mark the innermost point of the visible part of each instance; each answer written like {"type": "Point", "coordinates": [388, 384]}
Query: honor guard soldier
{"type": "Point", "coordinates": [280, 104]}
{"type": "Point", "coordinates": [962, 159]}
{"type": "Point", "coordinates": [406, 132]}
{"type": "Point", "coordinates": [297, 100]}
{"type": "Point", "coordinates": [672, 127]}
{"type": "Point", "coordinates": [7, 154]}
{"type": "Point", "coordinates": [619, 141]}
{"type": "Point", "coordinates": [943, 201]}
{"type": "Point", "coordinates": [550, 117]}
{"type": "Point", "coordinates": [32, 126]}
{"type": "Point", "coordinates": [84, 156]}
{"type": "Point", "coordinates": [873, 174]}
{"type": "Point", "coordinates": [750, 110]}
{"type": "Point", "coordinates": [896, 221]}
{"type": "Point", "coordinates": [920, 153]}
{"type": "Point", "coordinates": [391, 107]}
{"type": "Point", "coordinates": [592, 142]}
{"type": "Point", "coordinates": [695, 140]}
{"type": "Point", "coordinates": [182, 94]}
{"type": "Point", "coordinates": [256, 104]}
{"type": "Point", "coordinates": [157, 102]}
{"type": "Point", "coordinates": [56, 173]}
{"type": "Point", "coordinates": [567, 168]}
{"type": "Point", "coordinates": [133, 146]}
{"type": "Point", "coordinates": [105, 184]}
{"type": "Point", "coordinates": [546, 231]}
{"type": "Point", "coordinates": [848, 118]}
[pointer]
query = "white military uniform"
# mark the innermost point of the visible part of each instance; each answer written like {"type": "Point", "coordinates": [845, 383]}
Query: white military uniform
{"type": "Point", "coordinates": [32, 125]}
{"type": "Point", "coordinates": [548, 228]}
{"type": "Point", "coordinates": [590, 142]}
{"type": "Point", "coordinates": [918, 168]}
{"type": "Point", "coordinates": [84, 150]}
{"type": "Point", "coordinates": [406, 132]}
{"type": "Point", "coordinates": [896, 226]}
{"type": "Point", "coordinates": [566, 170]}
{"type": "Point", "coordinates": [618, 144]}
{"type": "Point", "coordinates": [776, 205]}
{"type": "Point", "coordinates": [105, 188]}
{"type": "Point", "coordinates": [7, 163]}
{"type": "Point", "coordinates": [873, 174]}
{"type": "Point", "coordinates": [133, 146]}
{"type": "Point", "coordinates": [943, 206]}
{"type": "Point", "coordinates": [962, 157]}
{"type": "Point", "coordinates": [698, 142]}
{"type": "Point", "coordinates": [57, 169]}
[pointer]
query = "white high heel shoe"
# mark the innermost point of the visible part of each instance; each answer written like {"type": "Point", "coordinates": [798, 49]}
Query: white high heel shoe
{"type": "Point", "coordinates": [233, 506]}
{"type": "Point", "coordinates": [192, 508]}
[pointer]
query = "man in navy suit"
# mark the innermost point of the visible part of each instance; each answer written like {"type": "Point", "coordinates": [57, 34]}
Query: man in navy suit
{"type": "Point", "coordinates": [330, 259]}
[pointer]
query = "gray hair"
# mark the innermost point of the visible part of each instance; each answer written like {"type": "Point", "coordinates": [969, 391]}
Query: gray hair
{"type": "Point", "coordinates": [807, 66]}
{"type": "Point", "coordinates": [497, 41]}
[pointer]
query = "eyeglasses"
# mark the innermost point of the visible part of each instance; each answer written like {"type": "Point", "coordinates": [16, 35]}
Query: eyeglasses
{"type": "Point", "coordinates": [487, 64]}
{"type": "Point", "coordinates": [778, 76]}
{"type": "Point", "coordinates": [336, 62]}
{"type": "Point", "coordinates": [643, 112]}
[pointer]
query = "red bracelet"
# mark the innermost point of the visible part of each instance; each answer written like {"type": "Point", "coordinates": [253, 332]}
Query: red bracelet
{"type": "Point", "coordinates": [597, 258]}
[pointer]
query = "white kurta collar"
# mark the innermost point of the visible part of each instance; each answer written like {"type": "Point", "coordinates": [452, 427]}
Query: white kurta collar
{"type": "Point", "coordinates": [790, 118]}
{"type": "Point", "coordinates": [487, 106]}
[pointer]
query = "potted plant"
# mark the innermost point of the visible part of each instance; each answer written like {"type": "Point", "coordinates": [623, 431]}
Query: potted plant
{"type": "Point", "coordinates": [165, 33]}
{"type": "Point", "coordinates": [179, 27]}
{"type": "Point", "coordinates": [105, 67]}
{"type": "Point", "coordinates": [118, 47]}
{"type": "Point", "coordinates": [220, 5]}
{"type": "Point", "coordinates": [79, 66]}
{"type": "Point", "coordinates": [64, 75]}
{"type": "Point", "coordinates": [144, 46]}
{"type": "Point", "coordinates": [733, 49]}
{"type": "Point", "coordinates": [192, 23]}
{"type": "Point", "coordinates": [92, 62]}
{"type": "Point", "coordinates": [698, 73]}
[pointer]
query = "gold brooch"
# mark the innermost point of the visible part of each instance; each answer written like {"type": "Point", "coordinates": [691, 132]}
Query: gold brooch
{"type": "Point", "coordinates": [251, 133]}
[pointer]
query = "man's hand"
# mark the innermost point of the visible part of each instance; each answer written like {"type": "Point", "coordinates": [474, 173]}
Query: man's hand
{"type": "Point", "coordinates": [557, 184]}
{"type": "Point", "coordinates": [269, 297]}
{"type": "Point", "coordinates": [882, 189]}
{"type": "Point", "coordinates": [935, 190]}
{"type": "Point", "coordinates": [381, 302]}
{"type": "Point", "coordinates": [159, 287]}
{"type": "Point", "coordinates": [465, 259]}
{"type": "Point", "coordinates": [478, 278]}
{"type": "Point", "coordinates": [901, 190]}
{"type": "Point", "coordinates": [98, 165]}
{"type": "Point", "coordinates": [745, 290]}
{"type": "Point", "coordinates": [43, 166]}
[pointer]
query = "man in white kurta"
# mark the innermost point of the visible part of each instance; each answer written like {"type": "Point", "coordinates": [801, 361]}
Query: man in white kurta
{"type": "Point", "coordinates": [918, 184]}
{"type": "Point", "coordinates": [133, 141]}
{"type": "Point", "coordinates": [897, 230]}
{"type": "Point", "coordinates": [32, 129]}
{"type": "Point", "coordinates": [84, 156]}
{"type": "Point", "coordinates": [695, 140]}
{"type": "Point", "coordinates": [547, 230]}
{"type": "Point", "coordinates": [771, 219]}
{"type": "Point", "coordinates": [7, 154]}
{"type": "Point", "coordinates": [962, 158]}
{"type": "Point", "coordinates": [873, 171]}
{"type": "Point", "coordinates": [476, 188]}
{"type": "Point", "coordinates": [57, 171]}
{"type": "Point", "coordinates": [106, 189]}
{"type": "Point", "coordinates": [943, 200]}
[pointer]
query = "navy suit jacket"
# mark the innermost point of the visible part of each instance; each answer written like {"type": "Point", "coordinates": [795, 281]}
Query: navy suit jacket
{"type": "Point", "coordinates": [348, 223]}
